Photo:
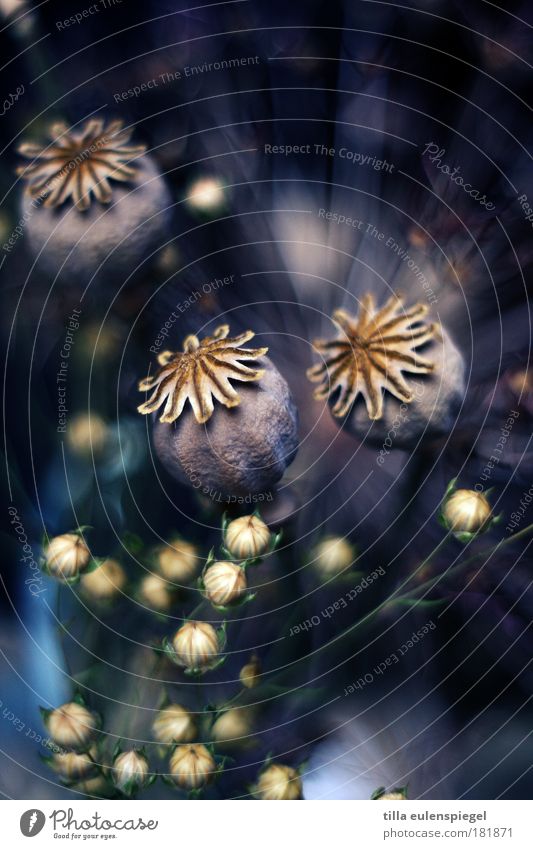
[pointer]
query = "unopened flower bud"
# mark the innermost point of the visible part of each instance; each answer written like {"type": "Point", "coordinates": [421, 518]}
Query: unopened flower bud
{"type": "Point", "coordinates": [192, 766]}
{"type": "Point", "coordinates": [466, 511]}
{"type": "Point", "coordinates": [399, 794]}
{"type": "Point", "coordinates": [130, 771]}
{"type": "Point", "coordinates": [71, 725]}
{"type": "Point", "coordinates": [278, 782]}
{"type": "Point", "coordinates": [178, 561]}
{"type": "Point", "coordinates": [247, 537]}
{"type": "Point", "coordinates": [333, 555]}
{"type": "Point", "coordinates": [74, 765]}
{"type": "Point", "coordinates": [174, 724]}
{"type": "Point", "coordinates": [66, 556]}
{"type": "Point", "coordinates": [233, 726]}
{"type": "Point", "coordinates": [224, 583]}
{"type": "Point", "coordinates": [251, 672]}
{"type": "Point", "coordinates": [93, 786]}
{"type": "Point", "coordinates": [156, 593]}
{"type": "Point", "coordinates": [105, 582]}
{"type": "Point", "coordinates": [87, 435]}
{"type": "Point", "coordinates": [196, 645]}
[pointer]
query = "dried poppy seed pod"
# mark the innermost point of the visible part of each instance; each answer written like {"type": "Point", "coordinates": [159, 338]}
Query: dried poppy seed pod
{"type": "Point", "coordinates": [71, 726]}
{"type": "Point", "coordinates": [224, 583]}
{"type": "Point", "coordinates": [104, 583]}
{"type": "Point", "coordinates": [174, 724]}
{"type": "Point", "coordinates": [333, 555]}
{"type": "Point", "coordinates": [233, 726]}
{"type": "Point", "coordinates": [74, 765]}
{"type": "Point", "coordinates": [196, 646]}
{"type": "Point", "coordinates": [278, 782]}
{"type": "Point", "coordinates": [466, 513]}
{"type": "Point", "coordinates": [66, 556]}
{"type": "Point", "coordinates": [156, 593]}
{"type": "Point", "coordinates": [178, 561]}
{"type": "Point", "coordinates": [247, 537]}
{"type": "Point", "coordinates": [250, 673]}
{"type": "Point", "coordinates": [92, 198]}
{"type": "Point", "coordinates": [238, 447]}
{"type": "Point", "coordinates": [192, 766]}
{"type": "Point", "coordinates": [130, 771]}
{"type": "Point", "coordinates": [362, 375]}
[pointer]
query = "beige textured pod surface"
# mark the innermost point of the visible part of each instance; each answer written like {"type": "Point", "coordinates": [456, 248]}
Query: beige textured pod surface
{"type": "Point", "coordinates": [239, 451]}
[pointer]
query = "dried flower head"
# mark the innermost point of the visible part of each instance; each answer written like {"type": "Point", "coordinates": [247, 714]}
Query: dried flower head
{"type": "Point", "coordinates": [250, 673]}
{"type": "Point", "coordinates": [370, 355]}
{"type": "Point", "coordinates": [278, 782]}
{"type": "Point", "coordinates": [196, 645]}
{"type": "Point", "coordinates": [130, 771]}
{"type": "Point", "coordinates": [105, 582]}
{"type": "Point", "coordinates": [178, 561]}
{"type": "Point", "coordinates": [224, 582]}
{"type": "Point", "coordinates": [72, 725]}
{"type": "Point", "coordinates": [174, 724]}
{"type": "Point", "coordinates": [191, 766]}
{"type": "Point", "coordinates": [247, 537]}
{"type": "Point", "coordinates": [200, 373]}
{"type": "Point", "coordinates": [79, 163]}
{"type": "Point", "coordinates": [66, 556]}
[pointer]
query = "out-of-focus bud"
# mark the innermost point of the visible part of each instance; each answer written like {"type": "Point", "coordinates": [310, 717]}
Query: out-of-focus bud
{"type": "Point", "coordinates": [74, 765]}
{"type": "Point", "coordinates": [192, 766]}
{"type": "Point", "coordinates": [466, 513]}
{"type": "Point", "coordinates": [399, 794]}
{"type": "Point", "coordinates": [130, 772]}
{"type": "Point", "coordinates": [174, 724]}
{"type": "Point", "coordinates": [87, 435]}
{"type": "Point", "coordinates": [66, 556]}
{"type": "Point", "coordinates": [333, 555]}
{"type": "Point", "coordinates": [224, 583]}
{"type": "Point", "coordinates": [250, 674]}
{"type": "Point", "coordinates": [196, 646]}
{"type": "Point", "coordinates": [96, 786]}
{"type": "Point", "coordinates": [247, 537]}
{"type": "Point", "coordinates": [72, 725]}
{"type": "Point", "coordinates": [278, 782]}
{"type": "Point", "coordinates": [233, 727]}
{"type": "Point", "coordinates": [178, 562]}
{"type": "Point", "coordinates": [105, 582]}
{"type": "Point", "coordinates": [156, 593]}
{"type": "Point", "coordinates": [206, 195]}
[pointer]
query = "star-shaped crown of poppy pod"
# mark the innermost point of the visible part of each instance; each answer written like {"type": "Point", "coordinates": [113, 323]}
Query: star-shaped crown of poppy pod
{"type": "Point", "coordinates": [200, 373]}
{"type": "Point", "coordinates": [79, 164]}
{"type": "Point", "coordinates": [370, 354]}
